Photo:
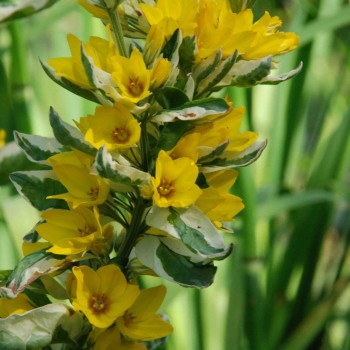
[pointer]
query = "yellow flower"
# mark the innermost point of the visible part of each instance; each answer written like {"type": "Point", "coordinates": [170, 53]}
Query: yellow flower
{"type": "Point", "coordinates": [187, 146]}
{"type": "Point", "coordinates": [107, 339]}
{"type": "Point", "coordinates": [175, 182]}
{"type": "Point", "coordinates": [83, 188]}
{"type": "Point", "coordinates": [141, 322]}
{"type": "Point", "coordinates": [72, 69]}
{"type": "Point", "coordinates": [220, 28]}
{"type": "Point", "coordinates": [2, 138]}
{"type": "Point", "coordinates": [18, 305]}
{"type": "Point", "coordinates": [170, 15]}
{"type": "Point", "coordinates": [215, 202]}
{"type": "Point", "coordinates": [160, 72]}
{"type": "Point", "coordinates": [131, 76]}
{"type": "Point", "coordinates": [153, 45]}
{"type": "Point", "coordinates": [114, 127]}
{"type": "Point", "coordinates": [102, 295]}
{"type": "Point", "coordinates": [73, 231]}
{"type": "Point", "coordinates": [225, 128]}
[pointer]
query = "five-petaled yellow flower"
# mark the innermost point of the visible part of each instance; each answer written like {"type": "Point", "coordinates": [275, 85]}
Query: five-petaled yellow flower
{"type": "Point", "coordinates": [175, 181]}
{"type": "Point", "coordinates": [216, 202]}
{"type": "Point", "coordinates": [134, 80]}
{"type": "Point", "coordinates": [73, 231]}
{"type": "Point", "coordinates": [141, 321]}
{"type": "Point", "coordinates": [83, 188]}
{"type": "Point", "coordinates": [102, 295]}
{"type": "Point", "coordinates": [115, 127]}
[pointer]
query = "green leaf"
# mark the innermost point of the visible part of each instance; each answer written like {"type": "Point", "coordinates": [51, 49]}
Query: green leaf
{"type": "Point", "coordinates": [38, 148]}
{"type": "Point", "coordinates": [201, 181]}
{"type": "Point", "coordinates": [193, 238]}
{"type": "Point", "coordinates": [193, 229]}
{"type": "Point", "coordinates": [217, 75]}
{"type": "Point", "coordinates": [172, 265]}
{"type": "Point", "coordinates": [171, 48]}
{"type": "Point", "coordinates": [38, 328]}
{"type": "Point", "coordinates": [88, 66]}
{"type": "Point", "coordinates": [250, 73]}
{"type": "Point", "coordinates": [123, 175]}
{"type": "Point", "coordinates": [187, 53]}
{"type": "Point", "coordinates": [213, 153]}
{"type": "Point", "coordinates": [171, 134]}
{"type": "Point", "coordinates": [10, 10]}
{"type": "Point", "coordinates": [34, 266]}
{"type": "Point", "coordinates": [170, 97]}
{"type": "Point", "coordinates": [29, 269]}
{"type": "Point", "coordinates": [205, 68]}
{"type": "Point", "coordinates": [227, 160]}
{"type": "Point", "coordinates": [274, 80]}
{"type": "Point", "coordinates": [193, 110]}
{"type": "Point", "coordinates": [12, 159]}
{"type": "Point", "coordinates": [68, 135]}
{"type": "Point", "coordinates": [36, 186]}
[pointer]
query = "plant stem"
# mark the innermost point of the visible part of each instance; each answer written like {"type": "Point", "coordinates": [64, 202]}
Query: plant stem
{"type": "Point", "coordinates": [132, 233]}
{"type": "Point", "coordinates": [19, 78]}
{"type": "Point", "coordinates": [118, 31]}
{"type": "Point", "coordinates": [144, 146]}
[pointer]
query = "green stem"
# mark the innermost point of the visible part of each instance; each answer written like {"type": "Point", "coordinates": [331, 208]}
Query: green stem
{"type": "Point", "coordinates": [144, 147]}
{"type": "Point", "coordinates": [132, 233]}
{"type": "Point", "coordinates": [118, 31]}
{"type": "Point", "coordinates": [19, 77]}
{"type": "Point", "coordinates": [198, 319]}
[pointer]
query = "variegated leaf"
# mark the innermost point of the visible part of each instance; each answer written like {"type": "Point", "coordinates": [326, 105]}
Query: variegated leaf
{"type": "Point", "coordinates": [36, 186]}
{"type": "Point", "coordinates": [68, 85]}
{"type": "Point", "coordinates": [124, 177]}
{"type": "Point", "coordinates": [229, 160]}
{"type": "Point", "coordinates": [173, 266]}
{"type": "Point", "coordinates": [193, 228]}
{"type": "Point", "coordinates": [13, 9]}
{"type": "Point", "coordinates": [68, 135]}
{"type": "Point", "coordinates": [193, 110]}
{"type": "Point", "coordinates": [217, 75]}
{"type": "Point", "coordinates": [274, 80]}
{"type": "Point", "coordinates": [34, 266]}
{"type": "Point", "coordinates": [38, 148]}
{"type": "Point", "coordinates": [248, 73]}
{"type": "Point", "coordinates": [40, 327]}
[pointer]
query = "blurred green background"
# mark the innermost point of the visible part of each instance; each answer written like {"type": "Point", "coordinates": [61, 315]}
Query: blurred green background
{"type": "Point", "coordinates": [285, 287]}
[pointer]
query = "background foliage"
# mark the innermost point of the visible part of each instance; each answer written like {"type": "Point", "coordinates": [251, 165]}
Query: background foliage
{"type": "Point", "coordinates": [286, 284]}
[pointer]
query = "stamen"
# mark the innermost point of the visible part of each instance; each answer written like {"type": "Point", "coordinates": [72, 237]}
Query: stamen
{"type": "Point", "coordinates": [165, 188]}
{"type": "Point", "coordinates": [121, 135]}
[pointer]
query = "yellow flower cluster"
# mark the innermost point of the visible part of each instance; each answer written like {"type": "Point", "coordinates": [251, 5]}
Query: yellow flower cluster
{"type": "Point", "coordinates": [142, 185]}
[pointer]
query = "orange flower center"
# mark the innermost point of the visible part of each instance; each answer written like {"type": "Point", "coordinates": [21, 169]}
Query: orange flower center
{"type": "Point", "coordinates": [86, 230]}
{"type": "Point", "coordinates": [128, 318]}
{"type": "Point", "coordinates": [135, 87]}
{"type": "Point", "coordinates": [165, 189]}
{"type": "Point", "coordinates": [99, 304]}
{"type": "Point", "coordinates": [121, 135]}
{"type": "Point", "coordinates": [93, 193]}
